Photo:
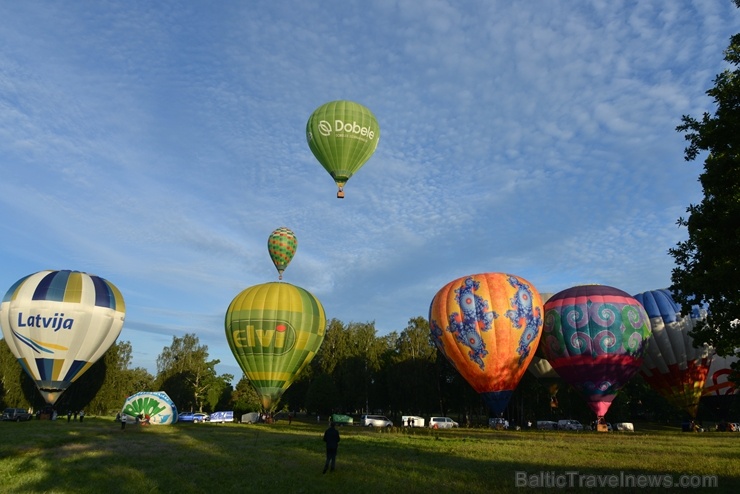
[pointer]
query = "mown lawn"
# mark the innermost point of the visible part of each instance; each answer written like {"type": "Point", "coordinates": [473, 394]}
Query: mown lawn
{"type": "Point", "coordinates": [97, 457]}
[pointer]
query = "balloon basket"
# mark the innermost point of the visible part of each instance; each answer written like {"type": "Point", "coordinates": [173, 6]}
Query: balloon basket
{"type": "Point", "coordinates": [602, 428]}
{"type": "Point", "coordinates": [340, 194]}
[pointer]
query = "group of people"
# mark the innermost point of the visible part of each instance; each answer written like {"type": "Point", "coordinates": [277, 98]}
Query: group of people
{"type": "Point", "coordinates": [124, 418]}
{"type": "Point", "coordinates": [70, 414]}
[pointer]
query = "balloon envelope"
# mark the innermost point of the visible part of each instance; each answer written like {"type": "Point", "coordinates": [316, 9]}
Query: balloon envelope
{"type": "Point", "coordinates": [155, 407]}
{"type": "Point", "coordinates": [595, 336]}
{"type": "Point", "coordinates": [59, 323]}
{"type": "Point", "coordinates": [672, 366]}
{"type": "Point", "coordinates": [488, 326]}
{"type": "Point", "coordinates": [717, 382]}
{"type": "Point", "coordinates": [282, 244]}
{"type": "Point", "coordinates": [274, 330]}
{"type": "Point", "coordinates": [342, 135]}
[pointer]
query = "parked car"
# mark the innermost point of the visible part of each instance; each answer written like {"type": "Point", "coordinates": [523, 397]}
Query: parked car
{"type": "Point", "coordinates": [375, 421]}
{"type": "Point", "coordinates": [442, 423]}
{"type": "Point", "coordinates": [199, 418]}
{"type": "Point", "coordinates": [547, 425]}
{"type": "Point", "coordinates": [498, 423]}
{"type": "Point", "coordinates": [185, 417]}
{"type": "Point", "coordinates": [341, 419]}
{"type": "Point", "coordinates": [625, 426]}
{"type": "Point", "coordinates": [16, 414]}
{"type": "Point", "coordinates": [570, 425]}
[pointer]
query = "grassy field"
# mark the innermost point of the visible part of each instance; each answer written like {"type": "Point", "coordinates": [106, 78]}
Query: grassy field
{"type": "Point", "coordinates": [97, 457]}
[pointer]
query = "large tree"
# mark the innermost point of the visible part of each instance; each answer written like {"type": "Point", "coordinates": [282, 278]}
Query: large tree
{"type": "Point", "coordinates": [186, 375]}
{"type": "Point", "coordinates": [707, 268]}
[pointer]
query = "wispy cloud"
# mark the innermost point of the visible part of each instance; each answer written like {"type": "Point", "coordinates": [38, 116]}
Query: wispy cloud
{"type": "Point", "coordinates": [158, 145]}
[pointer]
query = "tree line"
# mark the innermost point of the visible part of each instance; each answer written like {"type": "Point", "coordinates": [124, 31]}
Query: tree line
{"type": "Point", "coordinates": [355, 371]}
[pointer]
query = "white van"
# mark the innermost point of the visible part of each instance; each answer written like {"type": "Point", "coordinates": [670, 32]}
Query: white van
{"type": "Point", "coordinates": [442, 423]}
{"type": "Point", "coordinates": [412, 421]}
{"type": "Point", "coordinates": [375, 421]}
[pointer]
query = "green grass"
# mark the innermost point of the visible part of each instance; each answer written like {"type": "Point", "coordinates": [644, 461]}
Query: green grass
{"type": "Point", "coordinates": [97, 457]}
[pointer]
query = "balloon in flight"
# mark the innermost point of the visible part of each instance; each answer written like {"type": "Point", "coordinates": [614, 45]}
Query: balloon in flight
{"type": "Point", "coordinates": [58, 324]}
{"type": "Point", "coordinates": [274, 330]}
{"type": "Point", "coordinates": [342, 135]}
{"type": "Point", "coordinates": [672, 366]}
{"type": "Point", "coordinates": [488, 327]}
{"type": "Point", "coordinates": [282, 244]}
{"type": "Point", "coordinates": [595, 336]}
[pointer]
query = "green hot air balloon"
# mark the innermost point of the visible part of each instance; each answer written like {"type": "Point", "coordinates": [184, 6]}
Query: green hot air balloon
{"type": "Point", "coordinates": [342, 135]}
{"type": "Point", "coordinates": [274, 330]}
{"type": "Point", "coordinates": [282, 245]}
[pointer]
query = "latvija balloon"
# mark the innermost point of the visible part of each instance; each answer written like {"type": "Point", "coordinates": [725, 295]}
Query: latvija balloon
{"type": "Point", "coordinates": [342, 136]}
{"type": "Point", "coordinates": [274, 330]}
{"type": "Point", "coordinates": [59, 323]}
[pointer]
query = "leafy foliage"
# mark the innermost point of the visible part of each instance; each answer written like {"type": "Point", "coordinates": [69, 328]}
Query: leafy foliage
{"type": "Point", "coordinates": [187, 376]}
{"type": "Point", "coordinates": [707, 268]}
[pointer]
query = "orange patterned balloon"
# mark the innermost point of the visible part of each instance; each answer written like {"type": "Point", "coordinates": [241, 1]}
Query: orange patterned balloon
{"type": "Point", "coordinates": [488, 326]}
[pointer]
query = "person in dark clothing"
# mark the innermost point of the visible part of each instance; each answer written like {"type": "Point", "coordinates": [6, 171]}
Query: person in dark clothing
{"type": "Point", "coordinates": [331, 438]}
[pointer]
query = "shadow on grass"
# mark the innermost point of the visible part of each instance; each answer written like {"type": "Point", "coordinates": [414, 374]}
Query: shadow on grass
{"type": "Point", "coordinates": [96, 456]}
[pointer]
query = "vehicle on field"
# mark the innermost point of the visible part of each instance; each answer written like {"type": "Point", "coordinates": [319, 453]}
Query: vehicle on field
{"type": "Point", "coordinates": [624, 426]}
{"type": "Point", "coordinates": [16, 414]}
{"type": "Point", "coordinates": [221, 417]}
{"type": "Point", "coordinates": [185, 417]}
{"type": "Point", "coordinates": [412, 421]}
{"type": "Point", "coordinates": [442, 423]}
{"type": "Point", "coordinates": [251, 418]}
{"type": "Point", "coordinates": [375, 421]}
{"type": "Point", "coordinates": [341, 419]}
{"type": "Point", "coordinates": [569, 425]}
{"type": "Point", "coordinates": [199, 418]}
{"type": "Point", "coordinates": [547, 425]}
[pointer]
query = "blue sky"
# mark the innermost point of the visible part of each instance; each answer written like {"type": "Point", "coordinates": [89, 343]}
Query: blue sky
{"type": "Point", "coordinates": [157, 144]}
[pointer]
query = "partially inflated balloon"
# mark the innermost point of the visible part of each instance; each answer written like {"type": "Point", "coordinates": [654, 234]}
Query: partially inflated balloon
{"type": "Point", "coordinates": [672, 366]}
{"type": "Point", "coordinates": [488, 326]}
{"type": "Point", "coordinates": [59, 323]}
{"type": "Point", "coordinates": [282, 245]}
{"type": "Point", "coordinates": [153, 407]}
{"type": "Point", "coordinates": [342, 136]}
{"type": "Point", "coordinates": [595, 337]}
{"type": "Point", "coordinates": [274, 330]}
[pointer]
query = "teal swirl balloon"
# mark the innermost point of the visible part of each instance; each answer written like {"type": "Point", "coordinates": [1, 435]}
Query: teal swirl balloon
{"type": "Point", "coordinates": [595, 336]}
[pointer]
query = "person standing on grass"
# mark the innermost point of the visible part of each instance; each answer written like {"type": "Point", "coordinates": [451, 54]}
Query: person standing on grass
{"type": "Point", "coordinates": [123, 421]}
{"type": "Point", "coordinates": [331, 438]}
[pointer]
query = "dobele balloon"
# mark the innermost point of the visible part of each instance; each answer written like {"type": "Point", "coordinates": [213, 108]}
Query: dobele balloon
{"type": "Point", "coordinates": [342, 136]}
{"type": "Point", "coordinates": [488, 326]}
{"type": "Point", "coordinates": [282, 244]}
{"type": "Point", "coordinates": [58, 324]}
{"type": "Point", "coordinates": [672, 366]}
{"type": "Point", "coordinates": [595, 337]}
{"type": "Point", "coordinates": [274, 330]}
